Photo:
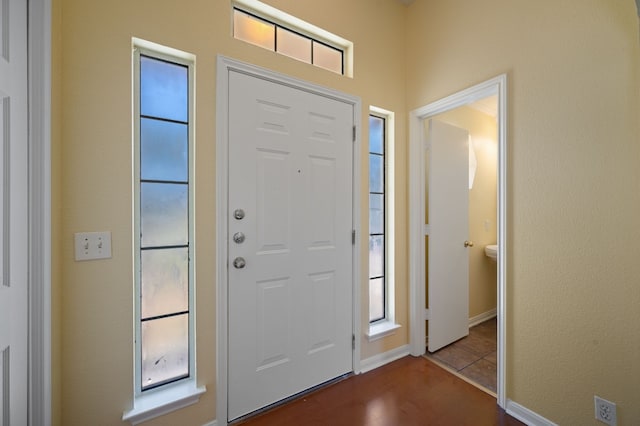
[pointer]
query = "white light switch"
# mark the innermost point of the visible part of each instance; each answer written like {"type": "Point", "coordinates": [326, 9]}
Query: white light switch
{"type": "Point", "coordinates": [92, 245]}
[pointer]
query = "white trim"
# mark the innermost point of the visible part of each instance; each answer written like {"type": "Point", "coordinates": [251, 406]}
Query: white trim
{"type": "Point", "coordinates": [384, 358]}
{"type": "Point", "coordinates": [211, 423]}
{"type": "Point", "coordinates": [527, 416]}
{"type": "Point", "coordinates": [485, 316]}
{"type": "Point", "coordinates": [388, 325]}
{"type": "Point", "coordinates": [272, 14]}
{"type": "Point", "coordinates": [381, 329]}
{"type": "Point", "coordinates": [166, 398]}
{"type": "Point", "coordinates": [224, 66]}
{"type": "Point", "coordinates": [163, 401]}
{"type": "Point", "coordinates": [497, 85]}
{"type": "Point", "coordinates": [39, 80]}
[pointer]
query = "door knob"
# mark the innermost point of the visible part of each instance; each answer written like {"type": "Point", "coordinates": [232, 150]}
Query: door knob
{"type": "Point", "coordinates": [238, 214]}
{"type": "Point", "coordinates": [468, 243]}
{"type": "Point", "coordinates": [238, 237]}
{"type": "Point", "coordinates": [239, 262]}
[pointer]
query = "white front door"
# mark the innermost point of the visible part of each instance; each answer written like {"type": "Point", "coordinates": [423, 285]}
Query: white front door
{"type": "Point", "coordinates": [448, 230]}
{"type": "Point", "coordinates": [13, 213]}
{"type": "Point", "coordinates": [289, 235]}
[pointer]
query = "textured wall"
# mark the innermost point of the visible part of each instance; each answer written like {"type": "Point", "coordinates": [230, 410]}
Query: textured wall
{"type": "Point", "coordinates": [573, 176]}
{"type": "Point", "coordinates": [92, 45]}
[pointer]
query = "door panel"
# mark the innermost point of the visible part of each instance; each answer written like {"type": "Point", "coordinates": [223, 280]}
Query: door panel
{"type": "Point", "coordinates": [290, 307]}
{"type": "Point", "coordinates": [13, 213]}
{"type": "Point", "coordinates": [449, 229]}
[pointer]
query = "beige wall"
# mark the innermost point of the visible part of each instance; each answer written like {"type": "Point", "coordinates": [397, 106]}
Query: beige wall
{"type": "Point", "coordinates": [574, 109]}
{"type": "Point", "coordinates": [482, 205]}
{"type": "Point", "coordinates": [573, 199]}
{"type": "Point", "coordinates": [92, 185]}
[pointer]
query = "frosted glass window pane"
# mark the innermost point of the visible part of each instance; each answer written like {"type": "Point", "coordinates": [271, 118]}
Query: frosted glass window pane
{"type": "Point", "coordinates": [164, 209]}
{"type": "Point", "coordinates": [376, 256]}
{"type": "Point", "coordinates": [294, 45]}
{"type": "Point", "coordinates": [327, 57]}
{"type": "Point", "coordinates": [376, 214]}
{"type": "Point", "coordinates": [165, 350]}
{"type": "Point", "coordinates": [163, 89]}
{"type": "Point", "coordinates": [253, 30]}
{"type": "Point", "coordinates": [376, 173]}
{"type": "Point", "coordinates": [163, 150]}
{"type": "Point", "coordinates": [376, 133]}
{"type": "Point", "coordinates": [376, 299]}
{"type": "Point", "coordinates": [165, 281]}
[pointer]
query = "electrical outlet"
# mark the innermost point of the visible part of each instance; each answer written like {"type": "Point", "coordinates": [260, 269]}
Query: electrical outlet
{"type": "Point", "coordinates": [605, 411]}
{"type": "Point", "coordinates": [92, 245]}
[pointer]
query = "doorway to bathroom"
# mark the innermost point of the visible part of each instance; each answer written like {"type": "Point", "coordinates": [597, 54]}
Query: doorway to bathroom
{"type": "Point", "coordinates": [475, 120]}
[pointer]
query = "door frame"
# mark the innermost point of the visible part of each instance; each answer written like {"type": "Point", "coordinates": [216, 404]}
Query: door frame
{"type": "Point", "coordinates": [417, 147]}
{"type": "Point", "coordinates": [224, 66]}
{"type": "Point", "coordinates": [39, 199]}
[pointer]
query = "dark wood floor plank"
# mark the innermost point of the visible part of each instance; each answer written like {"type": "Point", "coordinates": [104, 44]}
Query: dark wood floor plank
{"type": "Point", "coordinates": [407, 392]}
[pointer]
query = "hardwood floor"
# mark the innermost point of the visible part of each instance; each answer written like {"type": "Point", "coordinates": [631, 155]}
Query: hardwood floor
{"type": "Point", "coordinates": [410, 391]}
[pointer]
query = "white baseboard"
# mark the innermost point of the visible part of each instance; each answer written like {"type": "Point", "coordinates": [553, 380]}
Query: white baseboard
{"type": "Point", "coordinates": [384, 358]}
{"type": "Point", "coordinates": [211, 423]}
{"type": "Point", "coordinates": [483, 317]}
{"type": "Point", "coordinates": [527, 416]}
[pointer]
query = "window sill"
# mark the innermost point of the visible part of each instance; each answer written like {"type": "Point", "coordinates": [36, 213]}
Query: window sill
{"type": "Point", "coordinates": [163, 401]}
{"type": "Point", "coordinates": [381, 329]}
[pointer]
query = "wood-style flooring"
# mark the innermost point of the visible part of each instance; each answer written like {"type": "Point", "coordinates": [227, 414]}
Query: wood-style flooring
{"type": "Point", "coordinates": [407, 392]}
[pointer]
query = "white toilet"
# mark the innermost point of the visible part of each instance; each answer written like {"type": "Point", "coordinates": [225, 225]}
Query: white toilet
{"type": "Point", "coordinates": [491, 251]}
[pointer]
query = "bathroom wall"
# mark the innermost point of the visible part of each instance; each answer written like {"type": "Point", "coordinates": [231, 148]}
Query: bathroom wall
{"type": "Point", "coordinates": [482, 205]}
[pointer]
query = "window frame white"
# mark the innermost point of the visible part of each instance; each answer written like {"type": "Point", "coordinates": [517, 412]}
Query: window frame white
{"type": "Point", "coordinates": [387, 326]}
{"type": "Point", "coordinates": [171, 396]}
{"type": "Point", "coordinates": [277, 17]}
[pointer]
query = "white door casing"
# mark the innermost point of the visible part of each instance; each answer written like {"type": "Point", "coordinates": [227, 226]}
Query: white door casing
{"type": "Point", "coordinates": [495, 86]}
{"type": "Point", "coordinates": [290, 306]}
{"type": "Point", "coordinates": [14, 213]}
{"type": "Point", "coordinates": [448, 230]}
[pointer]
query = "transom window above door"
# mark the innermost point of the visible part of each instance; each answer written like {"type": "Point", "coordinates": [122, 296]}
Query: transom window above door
{"type": "Point", "coordinates": [264, 26]}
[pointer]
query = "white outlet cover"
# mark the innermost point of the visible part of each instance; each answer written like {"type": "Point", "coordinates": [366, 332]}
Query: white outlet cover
{"type": "Point", "coordinates": [92, 245]}
{"type": "Point", "coordinates": [605, 411]}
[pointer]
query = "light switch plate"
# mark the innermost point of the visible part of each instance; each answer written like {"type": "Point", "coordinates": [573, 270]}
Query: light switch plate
{"type": "Point", "coordinates": [92, 245]}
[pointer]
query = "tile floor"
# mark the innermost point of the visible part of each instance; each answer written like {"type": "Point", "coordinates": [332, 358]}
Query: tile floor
{"type": "Point", "coordinates": [474, 356]}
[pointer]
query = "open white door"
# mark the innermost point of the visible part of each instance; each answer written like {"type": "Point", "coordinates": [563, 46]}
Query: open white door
{"type": "Point", "coordinates": [13, 213]}
{"type": "Point", "coordinates": [448, 234]}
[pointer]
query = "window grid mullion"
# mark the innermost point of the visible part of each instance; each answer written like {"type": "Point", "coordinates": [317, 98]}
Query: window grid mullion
{"type": "Point", "coordinates": [381, 155]}
{"type": "Point", "coordinates": [157, 317]}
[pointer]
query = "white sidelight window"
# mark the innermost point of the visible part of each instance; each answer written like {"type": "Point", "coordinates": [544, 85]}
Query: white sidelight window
{"type": "Point", "coordinates": [163, 217]}
{"type": "Point", "coordinates": [377, 222]}
{"type": "Point", "coordinates": [381, 220]}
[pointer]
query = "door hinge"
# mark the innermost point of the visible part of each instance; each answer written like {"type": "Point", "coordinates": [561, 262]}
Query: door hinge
{"type": "Point", "coordinates": [354, 134]}
{"type": "Point", "coordinates": [353, 237]}
{"type": "Point", "coordinates": [353, 341]}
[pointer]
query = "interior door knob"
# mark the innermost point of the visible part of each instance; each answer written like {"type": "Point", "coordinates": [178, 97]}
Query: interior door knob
{"type": "Point", "coordinates": [239, 262]}
{"type": "Point", "coordinates": [468, 243]}
{"type": "Point", "coordinates": [238, 237]}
